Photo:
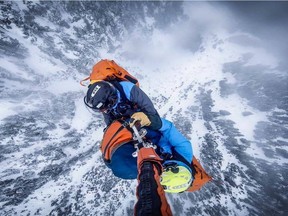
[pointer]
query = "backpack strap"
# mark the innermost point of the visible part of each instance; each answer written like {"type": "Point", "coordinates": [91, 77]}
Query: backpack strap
{"type": "Point", "coordinates": [119, 87]}
{"type": "Point", "coordinates": [116, 134]}
{"type": "Point", "coordinates": [84, 80]}
{"type": "Point", "coordinates": [122, 72]}
{"type": "Point", "coordinates": [108, 144]}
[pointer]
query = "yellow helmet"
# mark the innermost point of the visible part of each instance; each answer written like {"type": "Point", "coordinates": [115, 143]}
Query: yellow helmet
{"type": "Point", "coordinates": [176, 177]}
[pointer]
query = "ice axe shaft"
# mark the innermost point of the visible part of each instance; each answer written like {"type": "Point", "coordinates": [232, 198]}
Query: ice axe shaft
{"type": "Point", "coordinates": [137, 135]}
{"type": "Point", "coordinates": [140, 142]}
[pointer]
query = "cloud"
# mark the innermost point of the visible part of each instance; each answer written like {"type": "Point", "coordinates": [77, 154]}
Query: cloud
{"type": "Point", "coordinates": [265, 20]}
{"type": "Point", "coordinates": [183, 37]}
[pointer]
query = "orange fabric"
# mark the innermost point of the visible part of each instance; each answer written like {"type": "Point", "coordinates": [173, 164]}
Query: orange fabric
{"type": "Point", "coordinates": [114, 136]}
{"type": "Point", "coordinates": [165, 207]}
{"type": "Point", "coordinates": [109, 70]}
{"type": "Point", "coordinates": [201, 177]}
{"type": "Point", "coordinates": [148, 154]}
{"type": "Point", "coordinates": [82, 81]}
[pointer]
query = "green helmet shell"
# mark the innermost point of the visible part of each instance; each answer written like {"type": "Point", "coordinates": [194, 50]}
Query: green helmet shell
{"type": "Point", "coordinates": [176, 179]}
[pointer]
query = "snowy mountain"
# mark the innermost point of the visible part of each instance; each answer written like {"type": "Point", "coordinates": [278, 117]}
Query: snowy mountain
{"type": "Point", "coordinates": [218, 70]}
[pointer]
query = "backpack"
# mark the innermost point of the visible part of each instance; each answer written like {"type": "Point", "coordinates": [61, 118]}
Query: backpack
{"type": "Point", "coordinates": [117, 147]}
{"type": "Point", "coordinates": [115, 135]}
{"type": "Point", "coordinates": [109, 70]}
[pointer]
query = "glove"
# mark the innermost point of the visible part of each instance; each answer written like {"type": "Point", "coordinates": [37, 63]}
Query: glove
{"type": "Point", "coordinates": [141, 117]}
{"type": "Point", "coordinates": [166, 156]}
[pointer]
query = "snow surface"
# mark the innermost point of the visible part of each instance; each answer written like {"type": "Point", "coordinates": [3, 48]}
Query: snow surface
{"type": "Point", "coordinates": [50, 158]}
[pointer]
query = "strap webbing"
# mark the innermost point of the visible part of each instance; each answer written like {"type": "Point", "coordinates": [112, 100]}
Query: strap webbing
{"type": "Point", "coordinates": [121, 90]}
{"type": "Point", "coordinates": [116, 133]}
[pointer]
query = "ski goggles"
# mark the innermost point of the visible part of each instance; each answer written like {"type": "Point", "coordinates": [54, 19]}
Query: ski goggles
{"type": "Point", "coordinates": [101, 106]}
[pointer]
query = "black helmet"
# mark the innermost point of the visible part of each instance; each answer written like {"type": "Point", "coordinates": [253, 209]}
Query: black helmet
{"type": "Point", "coordinates": [101, 96]}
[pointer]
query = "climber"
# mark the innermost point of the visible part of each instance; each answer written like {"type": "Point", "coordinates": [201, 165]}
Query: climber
{"type": "Point", "coordinates": [124, 100]}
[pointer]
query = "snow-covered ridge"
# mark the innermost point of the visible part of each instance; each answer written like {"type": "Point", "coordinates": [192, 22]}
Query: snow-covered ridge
{"type": "Point", "coordinates": [221, 87]}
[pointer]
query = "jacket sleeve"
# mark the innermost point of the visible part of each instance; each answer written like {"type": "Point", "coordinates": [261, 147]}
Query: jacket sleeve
{"type": "Point", "coordinates": [172, 139]}
{"type": "Point", "coordinates": [144, 104]}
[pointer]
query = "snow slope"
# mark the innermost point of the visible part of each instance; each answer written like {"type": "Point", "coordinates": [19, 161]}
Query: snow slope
{"type": "Point", "coordinates": [217, 82]}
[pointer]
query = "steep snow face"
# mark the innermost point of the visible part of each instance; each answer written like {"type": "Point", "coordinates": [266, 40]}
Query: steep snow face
{"type": "Point", "coordinates": [219, 78]}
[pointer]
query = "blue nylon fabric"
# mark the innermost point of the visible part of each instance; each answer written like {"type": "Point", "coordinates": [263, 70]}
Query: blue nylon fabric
{"type": "Point", "coordinates": [127, 87]}
{"type": "Point", "coordinates": [172, 138]}
{"type": "Point", "coordinates": [123, 164]}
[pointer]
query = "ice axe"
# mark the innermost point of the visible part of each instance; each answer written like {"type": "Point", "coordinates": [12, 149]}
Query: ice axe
{"type": "Point", "coordinates": [138, 136]}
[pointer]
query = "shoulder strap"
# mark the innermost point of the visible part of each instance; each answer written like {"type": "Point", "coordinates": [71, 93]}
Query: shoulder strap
{"type": "Point", "coordinates": [121, 90]}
